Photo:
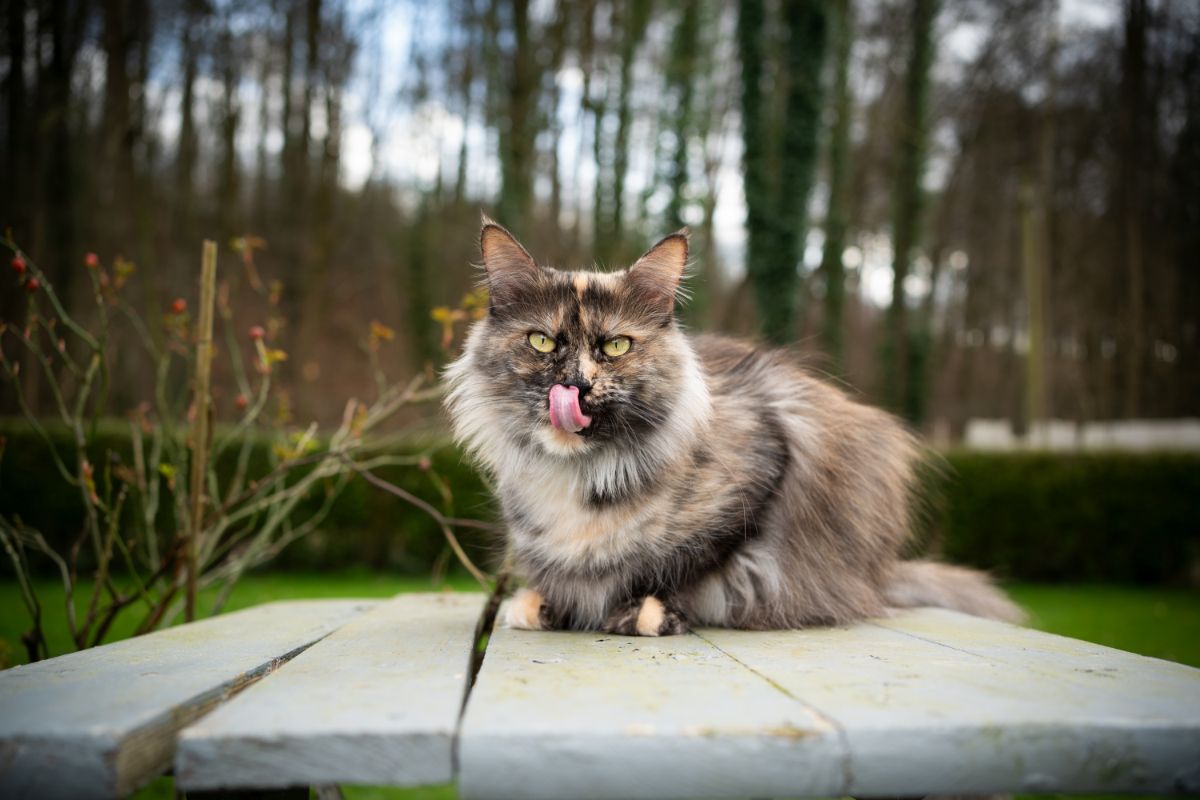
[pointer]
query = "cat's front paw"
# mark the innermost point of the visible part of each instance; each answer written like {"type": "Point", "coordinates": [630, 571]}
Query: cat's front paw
{"type": "Point", "coordinates": [526, 611]}
{"type": "Point", "coordinates": [650, 617]}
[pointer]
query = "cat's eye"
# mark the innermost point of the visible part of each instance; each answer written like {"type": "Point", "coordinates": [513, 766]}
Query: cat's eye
{"type": "Point", "coordinates": [541, 342]}
{"type": "Point", "coordinates": [617, 346]}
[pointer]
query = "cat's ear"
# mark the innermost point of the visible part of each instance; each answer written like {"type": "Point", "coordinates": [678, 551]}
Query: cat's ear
{"type": "Point", "coordinates": [509, 265]}
{"type": "Point", "coordinates": [655, 276]}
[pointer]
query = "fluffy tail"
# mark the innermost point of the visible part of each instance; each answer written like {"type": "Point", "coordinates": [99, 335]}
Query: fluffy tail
{"type": "Point", "coordinates": [929, 583]}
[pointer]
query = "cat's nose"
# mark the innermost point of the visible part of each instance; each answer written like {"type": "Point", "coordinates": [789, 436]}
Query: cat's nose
{"type": "Point", "coordinates": [582, 385]}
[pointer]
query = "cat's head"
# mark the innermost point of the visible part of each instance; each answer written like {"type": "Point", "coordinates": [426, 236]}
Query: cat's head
{"type": "Point", "coordinates": [573, 362]}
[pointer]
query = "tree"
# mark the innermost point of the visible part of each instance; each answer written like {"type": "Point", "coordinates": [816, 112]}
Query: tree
{"type": "Point", "coordinates": [839, 185]}
{"type": "Point", "coordinates": [775, 203]}
{"type": "Point", "coordinates": [681, 71]}
{"type": "Point", "coordinates": [908, 204]}
{"type": "Point", "coordinates": [1135, 133]}
{"type": "Point", "coordinates": [517, 122]}
{"type": "Point", "coordinates": [632, 18]}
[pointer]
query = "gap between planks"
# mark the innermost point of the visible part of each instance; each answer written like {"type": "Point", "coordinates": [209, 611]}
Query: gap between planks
{"type": "Point", "coordinates": [652, 731]}
{"type": "Point", "coordinates": [839, 731]}
{"type": "Point", "coordinates": [378, 702]}
{"type": "Point", "coordinates": [102, 722]}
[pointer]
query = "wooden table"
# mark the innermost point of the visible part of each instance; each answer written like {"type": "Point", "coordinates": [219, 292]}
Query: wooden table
{"type": "Point", "coordinates": [360, 692]}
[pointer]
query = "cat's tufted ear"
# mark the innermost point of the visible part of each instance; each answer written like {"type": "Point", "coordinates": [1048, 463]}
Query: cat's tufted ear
{"type": "Point", "coordinates": [655, 276]}
{"type": "Point", "coordinates": [509, 265]}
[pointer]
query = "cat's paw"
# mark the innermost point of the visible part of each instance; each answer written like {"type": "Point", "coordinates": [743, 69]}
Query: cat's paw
{"type": "Point", "coordinates": [650, 617]}
{"type": "Point", "coordinates": [526, 611]}
{"type": "Point", "coordinates": [655, 618]}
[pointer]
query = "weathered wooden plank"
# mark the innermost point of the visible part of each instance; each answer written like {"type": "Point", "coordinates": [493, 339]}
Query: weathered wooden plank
{"type": "Point", "coordinates": [102, 722]}
{"type": "Point", "coordinates": [1156, 686]}
{"type": "Point", "coordinates": [377, 702]}
{"type": "Point", "coordinates": [586, 715]}
{"type": "Point", "coordinates": [935, 702]}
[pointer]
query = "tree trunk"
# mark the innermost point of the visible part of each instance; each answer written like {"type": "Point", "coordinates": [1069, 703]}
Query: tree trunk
{"type": "Point", "coordinates": [775, 322]}
{"type": "Point", "coordinates": [228, 191]}
{"type": "Point", "coordinates": [1134, 120]}
{"type": "Point", "coordinates": [1032, 251]}
{"type": "Point", "coordinates": [776, 209]}
{"type": "Point", "coordinates": [466, 84]}
{"type": "Point", "coordinates": [117, 187]}
{"type": "Point", "coordinates": [517, 132]}
{"type": "Point", "coordinates": [681, 75]}
{"type": "Point", "coordinates": [186, 151]}
{"type": "Point", "coordinates": [262, 199]}
{"type": "Point", "coordinates": [57, 234]}
{"type": "Point", "coordinates": [13, 205]}
{"type": "Point", "coordinates": [635, 18]}
{"type": "Point", "coordinates": [288, 88]}
{"type": "Point", "coordinates": [807, 28]}
{"type": "Point", "coordinates": [836, 221]}
{"type": "Point", "coordinates": [908, 202]}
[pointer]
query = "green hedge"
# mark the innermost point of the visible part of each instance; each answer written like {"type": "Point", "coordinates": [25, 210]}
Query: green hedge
{"type": "Point", "coordinates": [1122, 517]}
{"type": "Point", "coordinates": [365, 527]}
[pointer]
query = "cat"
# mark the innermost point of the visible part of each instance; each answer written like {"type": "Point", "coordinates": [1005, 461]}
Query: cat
{"type": "Point", "coordinates": [652, 481]}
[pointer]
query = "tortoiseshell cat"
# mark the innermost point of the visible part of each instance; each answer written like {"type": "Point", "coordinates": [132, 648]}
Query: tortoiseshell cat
{"type": "Point", "coordinates": [652, 480]}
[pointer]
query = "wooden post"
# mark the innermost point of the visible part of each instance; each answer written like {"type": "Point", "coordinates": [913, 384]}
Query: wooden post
{"type": "Point", "coordinates": [203, 410]}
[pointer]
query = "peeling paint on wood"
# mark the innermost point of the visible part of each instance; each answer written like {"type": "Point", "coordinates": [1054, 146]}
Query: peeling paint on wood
{"type": "Point", "coordinates": [377, 702]}
{"type": "Point", "coordinates": [102, 722]}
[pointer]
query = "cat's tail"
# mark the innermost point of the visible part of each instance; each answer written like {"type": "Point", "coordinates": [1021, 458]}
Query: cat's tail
{"type": "Point", "coordinates": [930, 583]}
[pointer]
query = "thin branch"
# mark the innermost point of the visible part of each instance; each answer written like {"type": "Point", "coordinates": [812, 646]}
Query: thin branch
{"type": "Point", "coordinates": [442, 521]}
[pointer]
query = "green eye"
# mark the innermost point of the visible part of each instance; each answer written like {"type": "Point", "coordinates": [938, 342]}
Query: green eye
{"type": "Point", "coordinates": [541, 342]}
{"type": "Point", "coordinates": [617, 346]}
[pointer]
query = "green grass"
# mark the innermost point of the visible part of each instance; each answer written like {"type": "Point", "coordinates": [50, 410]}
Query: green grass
{"type": "Point", "coordinates": [1163, 623]}
{"type": "Point", "coordinates": [250, 591]}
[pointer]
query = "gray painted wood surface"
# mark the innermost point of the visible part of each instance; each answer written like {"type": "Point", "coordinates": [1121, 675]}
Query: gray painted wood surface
{"type": "Point", "coordinates": [377, 702]}
{"type": "Point", "coordinates": [936, 702]}
{"type": "Point", "coordinates": [556, 715]}
{"type": "Point", "coordinates": [926, 702]}
{"type": "Point", "coordinates": [102, 722]}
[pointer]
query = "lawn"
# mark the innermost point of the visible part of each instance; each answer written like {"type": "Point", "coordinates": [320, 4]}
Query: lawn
{"type": "Point", "coordinates": [250, 591]}
{"type": "Point", "coordinates": [1164, 623]}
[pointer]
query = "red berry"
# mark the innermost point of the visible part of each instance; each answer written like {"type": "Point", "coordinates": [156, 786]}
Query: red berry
{"type": "Point", "coordinates": [18, 265]}
{"type": "Point", "coordinates": [32, 285]}
{"type": "Point", "coordinates": [179, 306]}
{"type": "Point", "coordinates": [257, 332]}
{"type": "Point", "coordinates": [91, 260]}
{"type": "Point", "coordinates": [242, 401]}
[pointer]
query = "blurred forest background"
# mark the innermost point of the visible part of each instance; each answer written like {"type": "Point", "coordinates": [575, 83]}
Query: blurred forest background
{"type": "Point", "coordinates": [963, 208]}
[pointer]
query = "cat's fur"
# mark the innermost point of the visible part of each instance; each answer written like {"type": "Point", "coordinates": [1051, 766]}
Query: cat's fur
{"type": "Point", "coordinates": [717, 484]}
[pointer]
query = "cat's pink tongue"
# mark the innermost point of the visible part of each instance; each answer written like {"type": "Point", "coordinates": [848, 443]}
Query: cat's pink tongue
{"type": "Point", "coordinates": [565, 413]}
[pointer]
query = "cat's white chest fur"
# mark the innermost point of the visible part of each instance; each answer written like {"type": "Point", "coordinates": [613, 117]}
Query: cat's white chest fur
{"type": "Point", "coordinates": [565, 528]}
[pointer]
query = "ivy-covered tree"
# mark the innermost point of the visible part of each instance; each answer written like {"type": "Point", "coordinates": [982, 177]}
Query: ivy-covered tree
{"type": "Point", "coordinates": [907, 206]}
{"type": "Point", "coordinates": [779, 151]}
{"type": "Point", "coordinates": [836, 217]}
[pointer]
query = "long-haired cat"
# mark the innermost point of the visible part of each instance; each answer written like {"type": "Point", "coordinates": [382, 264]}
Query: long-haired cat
{"type": "Point", "coordinates": [651, 480]}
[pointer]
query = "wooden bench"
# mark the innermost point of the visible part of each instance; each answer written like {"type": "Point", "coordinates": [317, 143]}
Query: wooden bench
{"type": "Point", "coordinates": [360, 692]}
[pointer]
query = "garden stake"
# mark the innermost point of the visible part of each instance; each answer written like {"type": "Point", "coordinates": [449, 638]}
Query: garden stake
{"type": "Point", "coordinates": [200, 433]}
